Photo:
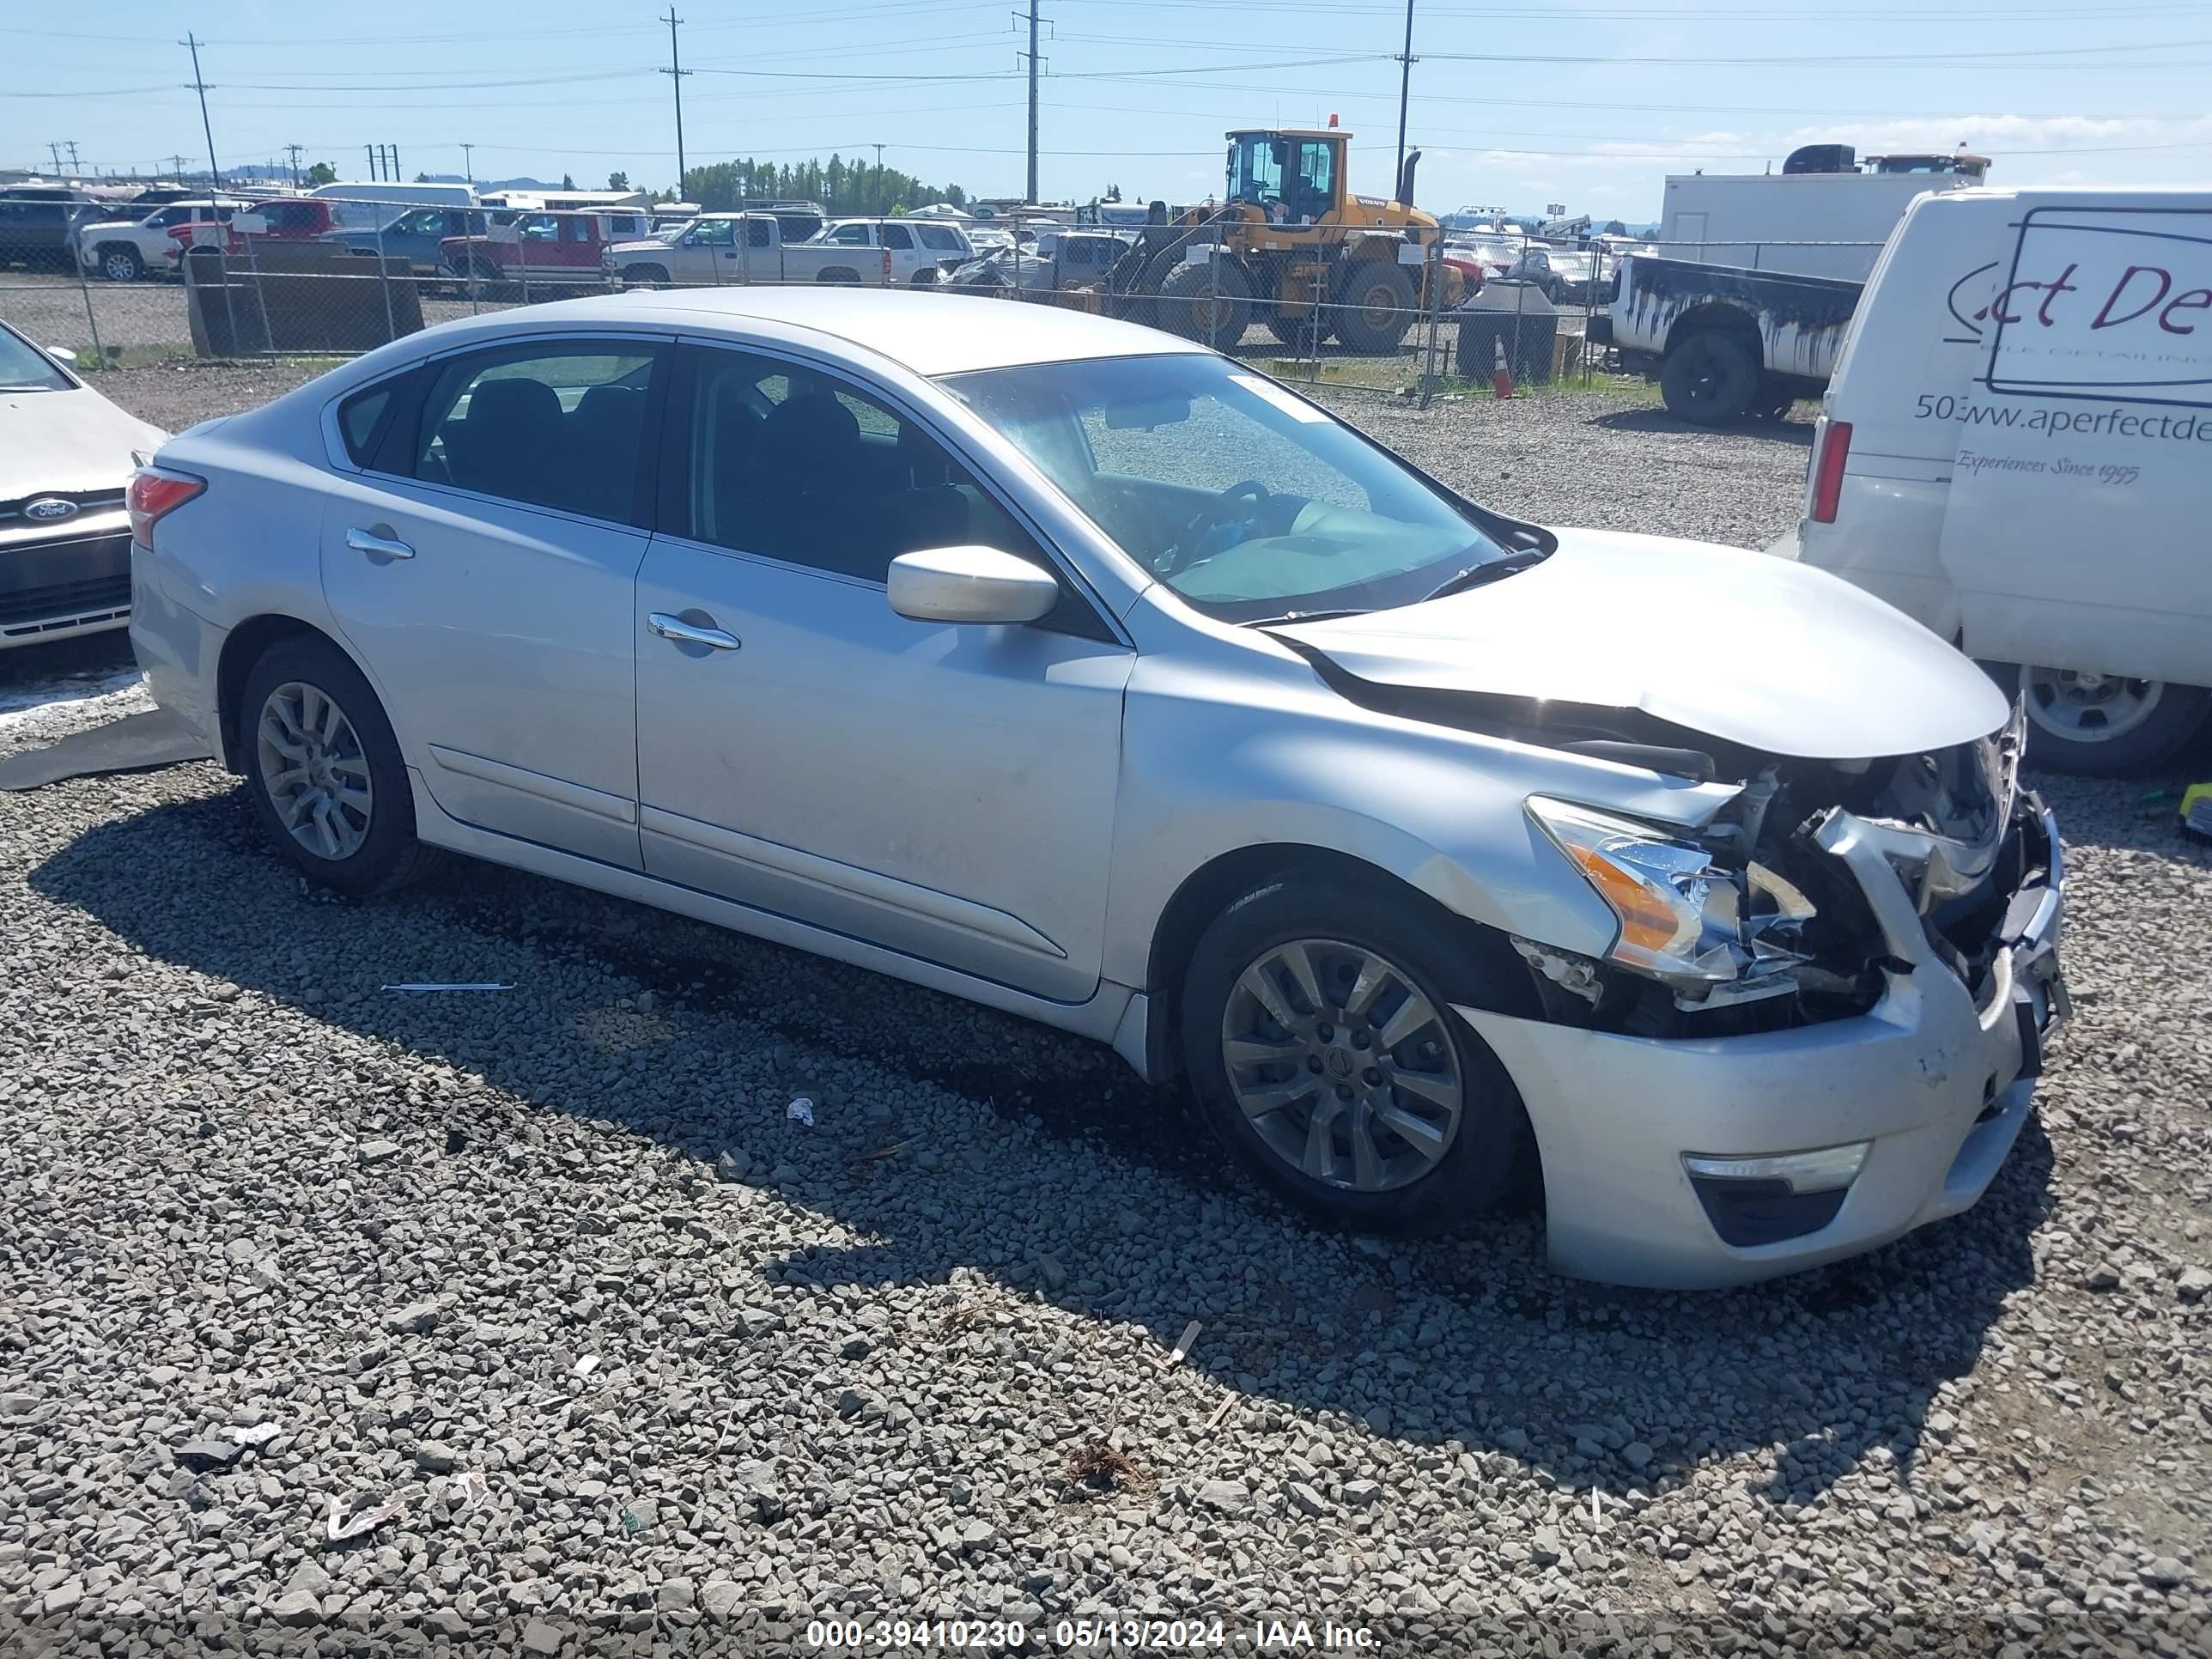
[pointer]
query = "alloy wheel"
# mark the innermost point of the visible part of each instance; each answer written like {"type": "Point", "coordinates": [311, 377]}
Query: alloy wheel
{"type": "Point", "coordinates": [1342, 1065]}
{"type": "Point", "coordinates": [2084, 708]}
{"type": "Point", "coordinates": [314, 770]}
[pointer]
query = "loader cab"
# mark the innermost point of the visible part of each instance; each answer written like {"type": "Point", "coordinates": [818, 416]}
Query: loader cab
{"type": "Point", "coordinates": [1293, 176]}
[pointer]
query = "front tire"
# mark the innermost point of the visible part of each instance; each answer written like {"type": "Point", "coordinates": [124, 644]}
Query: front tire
{"type": "Point", "coordinates": [2104, 726]}
{"type": "Point", "coordinates": [1318, 1031]}
{"type": "Point", "coordinates": [120, 262]}
{"type": "Point", "coordinates": [1209, 302]}
{"type": "Point", "coordinates": [1709, 378]}
{"type": "Point", "coordinates": [325, 771]}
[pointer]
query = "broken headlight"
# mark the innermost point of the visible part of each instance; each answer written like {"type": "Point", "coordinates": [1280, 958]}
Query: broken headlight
{"type": "Point", "coordinates": [1682, 917]}
{"type": "Point", "coordinates": [1679, 913]}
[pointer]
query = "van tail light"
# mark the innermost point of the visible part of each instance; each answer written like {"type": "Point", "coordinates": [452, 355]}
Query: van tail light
{"type": "Point", "coordinates": [887, 267]}
{"type": "Point", "coordinates": [1835, 449]}
{"type": "Point", "coordinates": [154, 492]}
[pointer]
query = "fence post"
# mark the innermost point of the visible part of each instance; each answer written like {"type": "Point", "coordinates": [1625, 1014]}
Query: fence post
{"type": "Point", "coordinates": [84, 282]}
{"type": "Point", "coordinates": [384, 279]}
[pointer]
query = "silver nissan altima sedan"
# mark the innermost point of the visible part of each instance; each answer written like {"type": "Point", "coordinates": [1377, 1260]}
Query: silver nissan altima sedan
{"type": "Point", "coordinates": [1048, 661]}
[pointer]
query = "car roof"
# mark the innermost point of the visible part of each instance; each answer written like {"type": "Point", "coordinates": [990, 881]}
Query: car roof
{"type": "Point", "coordinates": [931, 334]}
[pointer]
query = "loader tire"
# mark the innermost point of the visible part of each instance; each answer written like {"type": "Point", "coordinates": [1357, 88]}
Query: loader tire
{"type": "Point", "coordinates": [1375, 306]}
{"type": "Point", "coordinates": [1210, 303]}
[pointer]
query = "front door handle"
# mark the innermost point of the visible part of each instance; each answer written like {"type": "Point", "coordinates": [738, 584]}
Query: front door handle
{"type": "Point", "coordinates": [383, 546]}
{"type": "Point", "coordinates": [685, 633]}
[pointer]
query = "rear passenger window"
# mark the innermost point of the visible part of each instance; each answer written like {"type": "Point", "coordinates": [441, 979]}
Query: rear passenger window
{"type": "Point", "coordinates": [757, 233]}
{"type": "Point", "coordinates": [896, 236]}
{"type": "Point", "coordinates": [546, 426]}
{"type": "Point", "coordinates": [362, 417]}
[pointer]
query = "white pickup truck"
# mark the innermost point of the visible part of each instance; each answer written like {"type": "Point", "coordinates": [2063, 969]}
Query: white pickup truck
{"type": "Point", "coordinates": [749, 248]}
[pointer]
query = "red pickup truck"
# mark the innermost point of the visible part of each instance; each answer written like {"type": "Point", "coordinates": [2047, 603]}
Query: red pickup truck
{"type": "Point", "coordinates": [533, 248]}
{"type": "Point", "coordinates": [289, 219]}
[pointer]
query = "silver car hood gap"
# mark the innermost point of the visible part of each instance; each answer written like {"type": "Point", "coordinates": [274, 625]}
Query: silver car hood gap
{"type": "Point", "coordinates": [1755, 651]}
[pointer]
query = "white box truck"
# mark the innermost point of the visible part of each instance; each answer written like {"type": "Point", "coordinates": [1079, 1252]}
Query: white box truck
{"type": "Point", "coordinates": [1823, 214]}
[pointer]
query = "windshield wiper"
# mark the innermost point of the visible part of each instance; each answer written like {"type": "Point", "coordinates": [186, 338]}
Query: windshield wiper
{"type": "Point", "coordinates": [1478, 575]}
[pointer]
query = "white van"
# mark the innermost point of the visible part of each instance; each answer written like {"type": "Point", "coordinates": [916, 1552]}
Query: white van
{"type": "Point", "coordinates": [355, 206]}
{"type": "Point", "coordinates": [2016, 449]}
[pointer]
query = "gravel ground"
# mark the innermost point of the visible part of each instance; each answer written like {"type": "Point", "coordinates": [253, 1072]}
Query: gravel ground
{"type": "Point", "coordinates": [638, 1357]}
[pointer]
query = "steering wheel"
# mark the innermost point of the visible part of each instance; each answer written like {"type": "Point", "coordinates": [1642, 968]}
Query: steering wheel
{"type": "Point", "coordinates": [1192, 542]}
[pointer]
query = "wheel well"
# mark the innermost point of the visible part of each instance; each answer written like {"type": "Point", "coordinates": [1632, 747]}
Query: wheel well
{"type": "Point", "coordinates": [1213, 887]}
{"type": "Point", "coordinates": [241, 650]}
{"type": "Point", "coordinates": [1715, 317]}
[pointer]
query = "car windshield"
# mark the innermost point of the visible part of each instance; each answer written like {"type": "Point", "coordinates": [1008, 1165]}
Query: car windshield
{"type": "Point", "coordinates": [24, 369]}
{"type": "Point", "coordinates": [1253, 504]}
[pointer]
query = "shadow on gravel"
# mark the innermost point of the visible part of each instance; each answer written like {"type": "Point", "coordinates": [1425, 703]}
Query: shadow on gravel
{"type": "Point", "coordinates": [1096, 1194]}
{"type": "Point", "coordinates": [1796, 433]}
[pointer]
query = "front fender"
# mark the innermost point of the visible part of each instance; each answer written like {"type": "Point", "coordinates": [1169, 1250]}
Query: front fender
{"type": "Point", "coordinates": [1214, 764]}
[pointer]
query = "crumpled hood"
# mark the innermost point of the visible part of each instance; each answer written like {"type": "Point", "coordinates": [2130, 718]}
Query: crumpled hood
{"type": "Point", "coordinates": [73, 441]}
{"type": "Point", "coordinates": [1748, 648]}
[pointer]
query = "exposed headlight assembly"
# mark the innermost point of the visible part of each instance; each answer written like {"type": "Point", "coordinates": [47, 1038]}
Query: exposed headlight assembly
{"type": "Point", "coordinates": [1680, 914]}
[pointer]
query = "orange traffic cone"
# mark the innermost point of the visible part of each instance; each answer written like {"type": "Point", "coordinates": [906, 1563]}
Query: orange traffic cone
{"type": "Point", "coordinates": [1501, 378]}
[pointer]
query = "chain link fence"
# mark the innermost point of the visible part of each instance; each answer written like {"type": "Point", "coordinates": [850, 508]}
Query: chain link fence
{"type": "Point", "coordinates": [299, 277]}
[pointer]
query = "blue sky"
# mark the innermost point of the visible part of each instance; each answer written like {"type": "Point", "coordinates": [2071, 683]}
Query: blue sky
{"type": "Point", "coordinates": [1516, 103]}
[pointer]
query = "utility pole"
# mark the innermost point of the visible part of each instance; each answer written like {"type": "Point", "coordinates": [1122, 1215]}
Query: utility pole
{"type": "Point", "coordinates": [370, 149]}
{"type": "Point", "coordinates": [676, 72]}
{"type": "Point", "coordinates": [880, 204]}
{"type": "Point", "coordinates": [214, 173]}
{"type": "Point", "coordinates": [178, 162]}
{"type": "Point", "coordinates": [54, 150]}
{"type": "Point", "coordinates": [293, 150]}
{"type": "Point", "coordinates": [69, 144]}
{"type": "Point", "coordinates": [468, 162]}
{"type": "Point", "coordinates": [1405, 92]}
{"type": "Point", "coordinates": [1032, 194]}
{"type": "Point", "coordinates": [394, 149]}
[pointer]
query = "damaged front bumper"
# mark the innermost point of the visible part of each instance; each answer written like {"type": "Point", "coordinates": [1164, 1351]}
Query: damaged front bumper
{"type": "Point", "coordinates": [1692, 1162]}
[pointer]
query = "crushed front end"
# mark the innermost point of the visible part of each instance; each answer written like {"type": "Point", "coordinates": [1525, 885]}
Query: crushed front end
{"type": "Point", "coordinates": [1817, 1028]}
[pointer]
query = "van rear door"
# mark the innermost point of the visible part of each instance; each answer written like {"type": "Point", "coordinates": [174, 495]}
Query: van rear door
{"type": "Point", "coordinates": [2073, 533]}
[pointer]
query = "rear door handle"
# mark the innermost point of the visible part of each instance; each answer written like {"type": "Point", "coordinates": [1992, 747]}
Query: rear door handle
{"type": "Point", "coordinates": [685, 633]}
{"type": "Point", "coordinates": [365, 541]}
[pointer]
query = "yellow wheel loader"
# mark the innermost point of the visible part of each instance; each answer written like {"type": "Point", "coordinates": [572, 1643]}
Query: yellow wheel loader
{"type": "Point", "coordinates": [1290, 246]}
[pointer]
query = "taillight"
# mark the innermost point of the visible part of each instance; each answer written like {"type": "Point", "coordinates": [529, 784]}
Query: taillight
{"type": "Point", "coordinates": [887, 265]}
{"type": "Point", "coordinates": [1828, 469]}
{"type": "Point", "coordinates": [154, 492]}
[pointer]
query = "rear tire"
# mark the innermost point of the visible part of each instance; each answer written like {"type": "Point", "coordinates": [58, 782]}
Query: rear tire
{"type": "Point", "coordinates": [325, 771]}
{"type": "Point", "coordinates": [1374, 308]}
{"type": "Point", "coordinates": [1445, 1129]}
{"type": "Point", "coordinates": [1709, 378]}
{"type": "Point", "coordinates": [2104, 725]}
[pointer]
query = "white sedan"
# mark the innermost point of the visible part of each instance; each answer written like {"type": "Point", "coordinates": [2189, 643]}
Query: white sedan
{"type": "Point", "coordinates": [66, 456]}
{"type": "Point", "coordinates": [1048, 661]}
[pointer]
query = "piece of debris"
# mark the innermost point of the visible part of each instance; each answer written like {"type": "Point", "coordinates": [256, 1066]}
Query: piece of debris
{"type": "Point", "coordinates": [260, 1434]}
{"type": "Point", "coordinates": [359, 1518]}
{"type": "Point", "coordinates": [1219, 1413]}
{"type": "Point", "coordinates": [474, 1490]}
{"type": "Point", "coordinates": [891, 1150]}
{"type": "Point", "coordinates": [440, 985]}
{"type": "Point", "coordinates": [587, 1365]}
{"type": "Point", "coordinates": [1103, 1468]}
{"type": "Point", "coordinates": [801, 1109]}
{"type": "Point", "coordinates": [209, 1454]}
{"type": "Point", "coordinates": [1181, 1348]}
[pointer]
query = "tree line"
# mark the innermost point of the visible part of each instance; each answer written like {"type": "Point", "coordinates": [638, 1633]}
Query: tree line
{"type": "Point", "coordinates": [857, 187]}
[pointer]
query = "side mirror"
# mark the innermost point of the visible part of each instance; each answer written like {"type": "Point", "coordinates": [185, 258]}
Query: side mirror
{"type": "Point", "coordinates": [970, 584]}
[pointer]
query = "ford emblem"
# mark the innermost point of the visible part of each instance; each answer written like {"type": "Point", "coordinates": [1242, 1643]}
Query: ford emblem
{"type": "Point", "coordinates": [47, 508]}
